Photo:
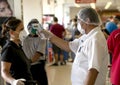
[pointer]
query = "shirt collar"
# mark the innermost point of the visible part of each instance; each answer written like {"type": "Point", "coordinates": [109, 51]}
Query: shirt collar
{"type": "Point", "coordinates": [93, 31]}
{"type": "Point", "coordinates": [86, 36]}
{"type": "Point", "coordinates": [13, 44]}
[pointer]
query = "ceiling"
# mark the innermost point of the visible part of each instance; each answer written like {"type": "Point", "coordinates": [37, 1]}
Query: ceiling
{"type": "Point", "coordinates": [100, 4]}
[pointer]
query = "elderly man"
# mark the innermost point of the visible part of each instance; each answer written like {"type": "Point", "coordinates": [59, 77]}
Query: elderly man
{"type": "Point", "coordinates": [90, 64]}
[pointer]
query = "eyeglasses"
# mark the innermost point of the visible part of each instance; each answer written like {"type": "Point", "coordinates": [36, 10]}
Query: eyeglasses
{"type": "Point", "coordinates": [78, 20]}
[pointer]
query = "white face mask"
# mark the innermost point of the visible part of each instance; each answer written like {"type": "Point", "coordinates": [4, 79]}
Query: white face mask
{"type": "Point", "coordinates": [80, 29]}
{"type": "Point", "coordinates": [21, 36]}
{"type": "Point", "coordinates": [72, 23]}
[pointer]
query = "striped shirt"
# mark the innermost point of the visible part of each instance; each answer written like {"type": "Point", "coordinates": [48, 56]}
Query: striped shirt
{"type": "Point", "coordinates": [31, 45]}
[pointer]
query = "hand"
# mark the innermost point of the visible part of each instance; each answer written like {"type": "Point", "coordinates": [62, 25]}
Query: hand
{"type": "Point", "coordinates": [47, 34]}
{"type": "Point", "coordinates": [18, 82]}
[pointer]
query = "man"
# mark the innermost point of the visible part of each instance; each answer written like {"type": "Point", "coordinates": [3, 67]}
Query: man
{"type": "Point", "coordinates": [34, 48]}
{"type": "Point", "coordinates": [59, 31]}
{"type": "Point", "coordinates": [112, 25]}
{"type": "Point", "coordinates": [91, 60]}
{"type": "Point", "coordinates": [113, 42]}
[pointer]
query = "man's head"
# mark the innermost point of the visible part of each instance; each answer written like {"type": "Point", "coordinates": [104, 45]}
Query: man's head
{"type": "Point", "coordinates": [55, 19]}
{"type": "Point", "coordinates": [116, 19]}
{"type": "Point", "coordinates": [33, 26]}
{"type": "Point", "coordinates": [74, 22]}
{"type": "Point", "coordinates": [88, 17]}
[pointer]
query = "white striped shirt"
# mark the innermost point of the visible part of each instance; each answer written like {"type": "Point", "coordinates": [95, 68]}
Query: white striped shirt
{"type": "Point", "coordinates": [31, 45]}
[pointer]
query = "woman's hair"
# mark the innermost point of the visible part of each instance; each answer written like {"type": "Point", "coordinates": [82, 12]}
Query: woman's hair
{"type": "Point", "coordinates": [11, 24]}
{"type": "Point", "coordinates": [4, 1]}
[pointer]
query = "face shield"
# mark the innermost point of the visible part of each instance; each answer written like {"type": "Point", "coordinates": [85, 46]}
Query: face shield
{"type": "Point", "coordinates": [33, 28]}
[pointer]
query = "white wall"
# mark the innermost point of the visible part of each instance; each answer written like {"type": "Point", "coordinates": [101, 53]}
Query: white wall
{"type": "Point", "coordinates": [32, 9]}
{"type": "Point", "coordinates": [48, 7]}
{"type": "Point", "coordinates": [59, 9]}
{"type": "Point", "coordinates": [73, 12]}
{"type": "Point", "coordinates": [54, 8]}
{"type": "Point", "coordinates": [17, 9]}
{"type": "Point", "coordinates": [66, 16]}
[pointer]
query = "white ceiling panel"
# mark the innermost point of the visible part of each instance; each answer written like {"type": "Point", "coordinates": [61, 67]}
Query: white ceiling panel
{"type": "Point", "coordinates": [100, 4]}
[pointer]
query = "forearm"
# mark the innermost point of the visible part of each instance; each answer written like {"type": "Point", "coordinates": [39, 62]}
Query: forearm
{"type": "Point", "coordinates": [7, 77]}
{"type": "Point", "coordinates": [91, 77]}
{"type": "Point", "coordinates": [36, 57]}
{"type": "Point", "coordinates": [60, 43]}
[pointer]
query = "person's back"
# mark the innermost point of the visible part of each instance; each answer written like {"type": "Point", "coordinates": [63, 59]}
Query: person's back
{"type": "Point", "coordinates": [60, 32]}
{"type": "Point", "coordinates": [113, 42]}
{"type": "Point", "coordinates": [57, 29]}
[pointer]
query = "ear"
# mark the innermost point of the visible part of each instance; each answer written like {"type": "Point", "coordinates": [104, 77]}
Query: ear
{"type": "Point", "coordinates": [87, 20]}
{"type": "Point", "coordinates": [11, 32]}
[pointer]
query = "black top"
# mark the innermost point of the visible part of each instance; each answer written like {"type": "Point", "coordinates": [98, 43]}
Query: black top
{"type": "Point", "coordinates": [20, 65]}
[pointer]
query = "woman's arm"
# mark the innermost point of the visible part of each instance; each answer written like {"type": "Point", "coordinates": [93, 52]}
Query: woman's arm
{"type": "Point", "coordinates": [5, 69]}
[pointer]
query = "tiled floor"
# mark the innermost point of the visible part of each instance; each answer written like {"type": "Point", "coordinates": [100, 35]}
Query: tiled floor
{"type": "Point", "coordinates": [60, 75]}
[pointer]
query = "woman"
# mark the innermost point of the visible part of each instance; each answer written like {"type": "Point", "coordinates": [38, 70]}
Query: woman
{"type": "Point", "coordinates": [5, 9]}
{"type": "Point", "coordinates": [15, 67]}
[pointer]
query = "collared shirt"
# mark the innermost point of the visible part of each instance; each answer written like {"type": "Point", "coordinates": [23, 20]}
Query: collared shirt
{"type": "Point", "coordinates": [91, 52]}
{"type": "Point", "coordinates": [31, 45]}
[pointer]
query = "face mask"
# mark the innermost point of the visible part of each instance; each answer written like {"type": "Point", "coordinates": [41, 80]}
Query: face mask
{"type": "Point", "coordinates": [72, 23]}
{"type": "Point", "coordinates": [33, 31]}
{"type": "Point", "coordinates": [21, 36]}
{"type": "Point", "coordinates": [80, 29]}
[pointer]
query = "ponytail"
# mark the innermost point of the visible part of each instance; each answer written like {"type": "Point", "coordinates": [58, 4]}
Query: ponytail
{"type": "Point", "coordinates": [5, 29]}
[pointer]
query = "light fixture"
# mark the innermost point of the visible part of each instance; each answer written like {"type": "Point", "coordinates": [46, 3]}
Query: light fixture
{"type": "Point", "coordinates": [92, 5]}
{"type": "Point", "coordinates": [108, 5]}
